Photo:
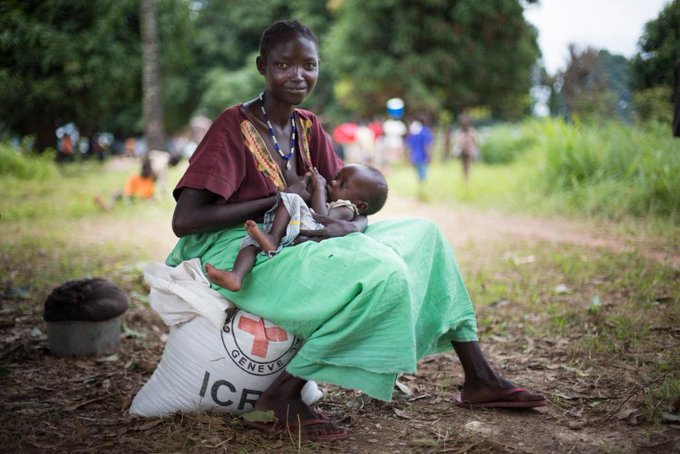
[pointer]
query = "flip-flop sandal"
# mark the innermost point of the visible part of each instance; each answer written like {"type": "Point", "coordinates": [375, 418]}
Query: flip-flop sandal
{"type": "Point", "coordinates": [499, 401]}
{"type": "Point", "coordinates": [294, 428]}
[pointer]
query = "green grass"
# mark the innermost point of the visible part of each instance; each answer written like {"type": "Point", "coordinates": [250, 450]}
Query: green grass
{"type": "Point", "coordinates": [40, 224]}
{"type": "Point", "coordinates": [488, 186]}
{"type": "Point", "coordinates": [632, 326]}
{"type": "Point", "coordinates": [612, 169]}
{"type": "Point", "coordinates": [604, 171]}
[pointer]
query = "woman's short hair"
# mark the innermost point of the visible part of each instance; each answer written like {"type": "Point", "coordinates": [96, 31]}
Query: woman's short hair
{"type": "Point", "coordinates": [276, 31]}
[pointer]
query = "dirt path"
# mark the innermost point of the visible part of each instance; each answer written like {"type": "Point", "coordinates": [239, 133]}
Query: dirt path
{"type": "Point", "coordinates": [481, 232]}
{"type": "Point", "coordinates": [466, 227]}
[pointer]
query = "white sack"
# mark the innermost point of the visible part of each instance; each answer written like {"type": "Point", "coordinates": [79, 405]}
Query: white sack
{"type": "Point", "coordinates": [207, 365]}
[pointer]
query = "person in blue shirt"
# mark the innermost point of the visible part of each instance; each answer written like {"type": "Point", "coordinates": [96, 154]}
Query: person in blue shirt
{"type": "Point", "coordinates": [419, 141]}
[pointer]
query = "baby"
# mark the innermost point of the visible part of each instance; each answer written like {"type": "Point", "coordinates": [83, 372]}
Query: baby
{"type": "Point", "coordinates": [356, 190]}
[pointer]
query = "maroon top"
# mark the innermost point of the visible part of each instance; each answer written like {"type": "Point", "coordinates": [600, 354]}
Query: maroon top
{"type": "Point", "coordinates": [225, 165]}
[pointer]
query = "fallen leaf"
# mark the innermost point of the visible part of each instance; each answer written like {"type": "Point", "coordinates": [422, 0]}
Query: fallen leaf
{"type": "Point", "coordinates": [16, 293]}
{"type": "Point", "coordinates": [402, 414]}
{"type": "Point", "coordinates": [403, 388]}
{"type": "Point", "coordinates": [663, 299]}
{"type": "Point", "coordinates": [670, 417]}
{"type": "Point", "coordinates": [562, 289]}
{"type": "Point", "coordinates": [625, 413]}
{"type": "Point", "coordinates": [576, 425]}
{"type": "Point", "coordinates": [595, 304]}
{"type": "Point", "coordinates": [148, 424]}
{"type": "Point", "coordinates": [129, 332]}
{"type": "Point", "coordinates": [108, 359]}
{"type": "Point", "coordinates": [259, 416]}
{"type": "Point", "coordinates": [85, 402]}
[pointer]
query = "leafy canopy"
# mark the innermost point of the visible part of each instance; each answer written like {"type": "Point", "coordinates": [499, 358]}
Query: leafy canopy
{"type": "Point", "coordinates": [436, 54]}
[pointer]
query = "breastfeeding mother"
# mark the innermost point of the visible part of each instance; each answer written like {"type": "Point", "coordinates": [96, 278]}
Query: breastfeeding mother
{"type": "Point", "coordinates": [368, 305]}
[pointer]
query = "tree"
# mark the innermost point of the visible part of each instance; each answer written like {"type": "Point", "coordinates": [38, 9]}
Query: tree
{"type": "Point", "coordinates": [652, 67]}
{"type": "Point", "coordinates": [64, 61]}
{"type": "Point", "coordinates": [80, 61]}
{"type": "Point", "coordinates": [151, 81]}
{"type": "Point", "coordinates": [585, 86]}
{"type": "Point", "coordinates": [435, 54]}
{"type": "Point", "coordinates": [616, 69]}
{"type": "Point", "coordinates": [227, 41]}
{"type": "Point", "coordinates": [659, 49]}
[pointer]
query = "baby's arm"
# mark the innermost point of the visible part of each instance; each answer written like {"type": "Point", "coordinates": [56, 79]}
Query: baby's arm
{"type": "Point", "coordinates": [320, 200]}
{"type": "Point", "coordinates": [319, 195]}
{"type": "Point", "coordinates": [343, 213]}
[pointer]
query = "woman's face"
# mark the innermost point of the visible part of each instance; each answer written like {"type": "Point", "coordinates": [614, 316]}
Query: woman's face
{"type": "Point", "coordinates": [291, 69]}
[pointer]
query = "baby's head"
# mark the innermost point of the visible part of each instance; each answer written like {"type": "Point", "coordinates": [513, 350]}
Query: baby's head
{"type": "Point", "coordinates": [364, 186]}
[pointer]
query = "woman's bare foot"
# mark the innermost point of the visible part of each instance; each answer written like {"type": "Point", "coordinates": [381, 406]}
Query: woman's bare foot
{"type": "Point", "coordinates": [265, 240]}
{"type": "Point", "coordinates": [283, 398]}
{"type": "Point", "coordinates": [484, 388]}
{"type": "Point", "coordinates": [225, 279]}
{"type": "Point", "coordinates": [498, 393]}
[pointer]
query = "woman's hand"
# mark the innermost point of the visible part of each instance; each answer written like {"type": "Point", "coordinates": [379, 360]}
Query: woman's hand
{"type": "Point", "coordinates": [301, 188]}
{"type": "Point", "coordinates": [334, 227]}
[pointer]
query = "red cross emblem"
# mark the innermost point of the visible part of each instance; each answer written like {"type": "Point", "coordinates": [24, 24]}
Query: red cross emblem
{"type": "Point", "coordinates": [262, 334]}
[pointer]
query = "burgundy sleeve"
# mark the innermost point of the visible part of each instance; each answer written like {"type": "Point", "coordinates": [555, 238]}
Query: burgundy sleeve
{"type": "Point", "coordinates": [216, 162]}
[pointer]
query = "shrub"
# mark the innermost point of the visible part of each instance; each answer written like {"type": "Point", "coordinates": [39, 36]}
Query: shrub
{"type": "Point", "coordinates": [23, 165]}
{"type": "Point", "coordinates": [503, 144]}
{"type": "Point", "coordinates": [612, 169]}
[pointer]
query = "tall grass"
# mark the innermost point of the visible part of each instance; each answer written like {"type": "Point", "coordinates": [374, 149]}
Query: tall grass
{"type": "Point", "coordinates": [608, 171]}
{"type": "Point", "coordinates": [612, 169]}
{"type": "Point", "coordinates": [20, 164]}
{"type": "Point", "coordinates": [505, 143]}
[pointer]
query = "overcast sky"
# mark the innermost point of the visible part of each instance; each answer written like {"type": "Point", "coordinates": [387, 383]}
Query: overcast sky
{"type": "Point", "coordinates": [615, 25]}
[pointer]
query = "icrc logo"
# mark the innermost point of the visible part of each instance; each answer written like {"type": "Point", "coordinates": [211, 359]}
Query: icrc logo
{"type": "Point", "coordinates": [257, 346]}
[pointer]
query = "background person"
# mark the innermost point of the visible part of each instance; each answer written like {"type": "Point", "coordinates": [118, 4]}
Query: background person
{"type": "Point", "coordinates": [139, 186]}
{"type": "Point", "coordinates": [465, 145]}
{"type": "Point", "coordinates": [419, 141]}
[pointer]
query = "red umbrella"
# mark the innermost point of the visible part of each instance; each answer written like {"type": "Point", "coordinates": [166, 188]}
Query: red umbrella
{"type": "Point", "coordinates": [345, 132]}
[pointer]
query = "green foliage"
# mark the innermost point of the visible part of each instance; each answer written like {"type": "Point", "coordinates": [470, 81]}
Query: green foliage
{"type": "Point", "coordinates": [659, 49]}
{"type": "Point", "coordinates": [616, 70]}
{"type": "Point", "coordinates": [609, 170]}
{"type": "Point", "coordinates": [227, 37]}
{"type": "Point", "coordinates": [65, 61]}
{"type": "Point", "coordinates": [227, 88]}
{"type": "Point", "coordinates": [504, 143]}
{"type": "Point", "coordinates": [653, 104]}
{"type": "Point", "coordinates": [80, 61]}
{"type": "Point", "coordinates": [22, 165]}
{"type": "Point", "coordinates": [612, 169]}
{"type": "Point", "coordinates": [652, 67]}
{"type": "Point", "coordinates": [586, 88]}
{"type": "Point", "coordinates": [437, 55]}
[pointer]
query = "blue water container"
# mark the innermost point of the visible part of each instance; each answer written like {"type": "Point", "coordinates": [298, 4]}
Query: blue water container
{"type": "Point", "coordinates": [395, 107]}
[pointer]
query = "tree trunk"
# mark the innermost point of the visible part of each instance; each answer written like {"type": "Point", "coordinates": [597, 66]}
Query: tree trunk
{"type": "Point", "coordinates": [151, 79]}
{"type": "Point", "coordinates": [44, 128]}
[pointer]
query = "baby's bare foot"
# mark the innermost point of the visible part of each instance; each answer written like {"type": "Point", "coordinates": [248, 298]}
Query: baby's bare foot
{"type": "Point", "coordinates": [225, 279]}
{"type": "Point", "coordinates": [263, 239]}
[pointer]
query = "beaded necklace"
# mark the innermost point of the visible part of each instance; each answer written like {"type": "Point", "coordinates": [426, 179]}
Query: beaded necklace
{"type": "Point", "coordinates": [277, 147]}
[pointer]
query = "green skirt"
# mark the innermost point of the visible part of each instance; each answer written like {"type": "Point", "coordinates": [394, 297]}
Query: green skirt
{"type": "Point", "coordinates": [368, 305]}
